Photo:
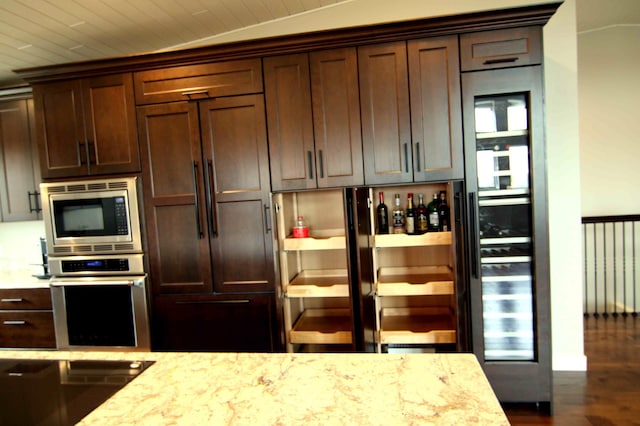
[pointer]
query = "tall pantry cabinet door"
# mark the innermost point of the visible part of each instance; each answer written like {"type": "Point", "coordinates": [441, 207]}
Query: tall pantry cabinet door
{"type": "Point", "coordinates": [60, 129]}
{"type": "Point", "coordinates": [234, 141]}
{"type": "Point", "coordinates": [336, 116]}
{"type": "Point", "coordinates": [288, 103]}
{"type": "Point", "coordinates": [174, 198]}
{"type": "Point", "coordinates": [386, 124]}
{"type": "Point", "coordinates": [110, 122]}
{"type": "Point", "coordinates": [436, 113]}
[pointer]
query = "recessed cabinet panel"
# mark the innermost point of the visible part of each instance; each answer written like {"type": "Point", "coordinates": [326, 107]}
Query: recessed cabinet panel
{"type": "Point", "coordinates": [336, 115]}
{"type": "Point", "coordinates": [436, 117]}
{"type": "Point", "coordinates": [59, 126]}
{"type": "Point", "coordinates": [290, 122]}
{"type": "Point", "coordinates": [514, 47]}
{"type": "Point", "coordinates": [173, 187]}
{"type": "Point", "coordinates": [87, 127]}
{"type": "Point", "coordinates": [198, 81]}
{"type": "Point", "coordinates": [19, 168]}
{"type": "Point", "coordinates": [384, 100]}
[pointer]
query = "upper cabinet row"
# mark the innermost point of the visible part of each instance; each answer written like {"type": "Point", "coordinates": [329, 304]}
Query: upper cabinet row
{"type": "Point", "coordinates": [377, 114]}
{"type": "Point", "coordinates": [344, 117]}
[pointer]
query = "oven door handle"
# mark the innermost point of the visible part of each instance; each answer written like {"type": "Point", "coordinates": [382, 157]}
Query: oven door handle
{"type": "Point", "coordinates": [85, 283]}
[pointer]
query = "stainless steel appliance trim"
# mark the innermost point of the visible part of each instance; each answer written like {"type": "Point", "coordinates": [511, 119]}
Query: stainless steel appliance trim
{"type": "Point", "coordinates": [126, 186]}
{"type": "Point", "coordinates": [140, 312]}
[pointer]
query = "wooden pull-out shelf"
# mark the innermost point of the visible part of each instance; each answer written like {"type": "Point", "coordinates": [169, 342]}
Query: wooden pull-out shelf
{"type": "Point", "coordinates": [327, 239]}
{"type": "Point", "coordinates": [405, 240]}
{"type": "Point", "coordinates": [417, 326]}
{"type": "Point", "coordinates": [320, 283]}
{"type": "Point", "coordinates": [322, 326]}
{"type": "Point", "coordinates": [415, 281]}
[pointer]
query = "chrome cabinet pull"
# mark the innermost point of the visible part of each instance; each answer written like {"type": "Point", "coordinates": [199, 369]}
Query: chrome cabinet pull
{"type": "Point", "coordinates": [14, 322]}
{"type": "Point", "coordinates": [13, 300]}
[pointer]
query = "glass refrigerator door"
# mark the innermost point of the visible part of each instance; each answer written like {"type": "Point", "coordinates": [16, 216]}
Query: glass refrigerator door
{"type": "Point", "coordinates": [505, 228]}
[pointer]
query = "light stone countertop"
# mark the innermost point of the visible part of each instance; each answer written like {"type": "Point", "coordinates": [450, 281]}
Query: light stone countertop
{"type": "Point", "coordinates": [295, 389]}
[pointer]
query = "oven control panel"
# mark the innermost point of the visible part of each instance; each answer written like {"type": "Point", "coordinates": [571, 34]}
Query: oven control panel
{"type": "Point", "coordinates": [96, 265]}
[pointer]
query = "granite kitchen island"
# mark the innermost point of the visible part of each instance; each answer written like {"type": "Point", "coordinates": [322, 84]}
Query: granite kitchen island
{"type": "Point", "coordinates": [294, 389]}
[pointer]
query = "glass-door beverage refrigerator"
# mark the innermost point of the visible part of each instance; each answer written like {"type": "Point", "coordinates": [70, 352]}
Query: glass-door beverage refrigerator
{"type": "Point", "coordinates": [508, 247]}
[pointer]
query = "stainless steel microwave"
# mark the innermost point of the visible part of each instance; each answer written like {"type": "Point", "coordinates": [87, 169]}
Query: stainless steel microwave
{"type": "Point", "coordinates": [91, 216]}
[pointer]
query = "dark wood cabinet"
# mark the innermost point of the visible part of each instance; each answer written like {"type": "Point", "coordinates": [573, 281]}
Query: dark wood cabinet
{"type": "Point", "coordinates": [411, 138]}
{"type": "Point", "coordinates": [86, 127]}
{"type": "Point", "coordinates": [313, 113]}
{"type": "Point", "coordinates": [19, 168]}
{"type": "Point", "coordinates": [26, 318]}
{"type": "Point", "coordinates": [513, 47]}
{"type": "Point", "coordinates": [207, 209]}
{"type": "Point", "coordinates": [219, 323]}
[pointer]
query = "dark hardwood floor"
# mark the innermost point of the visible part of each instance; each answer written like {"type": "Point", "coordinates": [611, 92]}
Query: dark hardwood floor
{"type": "Point", "coordinates": [608, 393]}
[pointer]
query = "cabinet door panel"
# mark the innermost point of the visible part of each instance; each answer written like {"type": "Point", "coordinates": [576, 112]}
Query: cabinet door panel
{"type": "Point", "coordinates": [60, 129]}
{"type": "Point", "coordinates": [288, 102]}
{"type": "Point", "coordinates": [17, 175]}
{"type": "Point", "coordinates": [240, 323]}
{"type": "Point", "coordinates": [336, 116]}
{"type": "Point", "coordinates": [111, 124]}
{"type": "Point", "coordinates": [384, 99]}
{"type": "Point", "coordinates": [436, 117]}
{"type": "Point", "coordinates": [235, 144]}
{"type": "Point", "coordinates": [173, 192]}
{"type": "Point", "coordinates": [243, 256]}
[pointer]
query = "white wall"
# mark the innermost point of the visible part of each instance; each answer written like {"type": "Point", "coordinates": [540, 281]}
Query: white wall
{"type": "Point", "coordinates": [562, 135]}
{"type": "Point", "coordinates": [609, 86]}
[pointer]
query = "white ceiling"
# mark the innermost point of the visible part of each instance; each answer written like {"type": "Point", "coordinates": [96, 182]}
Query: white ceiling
{"type": "Point", "coordinates": [45, 32]}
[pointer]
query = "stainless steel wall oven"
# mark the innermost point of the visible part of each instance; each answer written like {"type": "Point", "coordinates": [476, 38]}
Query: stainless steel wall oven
{"type": "Point", "coordinates": [100, 303]}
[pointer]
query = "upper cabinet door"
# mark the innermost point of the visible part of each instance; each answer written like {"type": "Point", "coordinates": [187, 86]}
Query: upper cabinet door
{"type": "Point", "coordinates": [386, 124]}
{"type": "Point", "coordinates": [436, 114]}
{"type": "Point", "coordinates": [60, 129]}
{"type": "Point", "coordinates": [236, 159]}
{"type": "Point", "coordinates": [336, 118]}
{"type": "Point", "coordinates": [110, 123]}
{"type": "Point", "coordinates": [86, 127]}
{"type": "Point", "coordinates": [19, 170]}
{"type": "Point", "coordinates": [290, 122]}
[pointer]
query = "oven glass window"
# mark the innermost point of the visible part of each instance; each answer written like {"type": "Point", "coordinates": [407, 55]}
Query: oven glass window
{"type": "Point", "coordinates": [100, 315]}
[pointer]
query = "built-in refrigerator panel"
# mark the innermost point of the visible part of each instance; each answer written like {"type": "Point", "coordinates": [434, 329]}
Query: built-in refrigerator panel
{"type": "Point", "coordinates": [508, 244]}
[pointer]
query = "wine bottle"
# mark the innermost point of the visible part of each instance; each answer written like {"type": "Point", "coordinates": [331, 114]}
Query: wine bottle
{"type": "Point", "coordinates": [382, 214]}
{"type": "Point", "coordinates": [422, 222]}
{"type": "Point", "coordinates": [444, 213]}
{"type": "Point", "coordinates": [432, 214]}
{"type": "Point", "coordinates": [398, 216]}
{"type": "Point", "coordinates": [410, 221]}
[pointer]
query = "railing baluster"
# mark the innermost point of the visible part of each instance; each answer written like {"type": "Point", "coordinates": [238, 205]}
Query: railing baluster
{"type": "Point", "coordinates": [611, 265]}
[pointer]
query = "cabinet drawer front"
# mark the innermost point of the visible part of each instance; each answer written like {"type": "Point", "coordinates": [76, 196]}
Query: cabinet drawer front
{"type": "Point", "coordinates": [27, 330]}
{"type": "Point", "coordinates": [25, 299]}
{"type": "Point", "coordinates": [198, 81]}
{"type": "Point", "coordinates": [501, 48]}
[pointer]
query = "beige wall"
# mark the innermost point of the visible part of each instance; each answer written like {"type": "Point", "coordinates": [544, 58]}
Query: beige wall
{"type": "Point", "coordinates": [562, 135]}
{"type": "Point", "coordinates": [609, 85]}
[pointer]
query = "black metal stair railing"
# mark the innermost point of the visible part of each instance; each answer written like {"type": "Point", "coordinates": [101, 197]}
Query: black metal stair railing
{"type": "Point", "coordinates": [611, 271]}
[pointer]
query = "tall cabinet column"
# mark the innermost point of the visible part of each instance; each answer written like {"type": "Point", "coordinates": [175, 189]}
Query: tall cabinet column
{"type": "Point", "coordinates": [506, 184]}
